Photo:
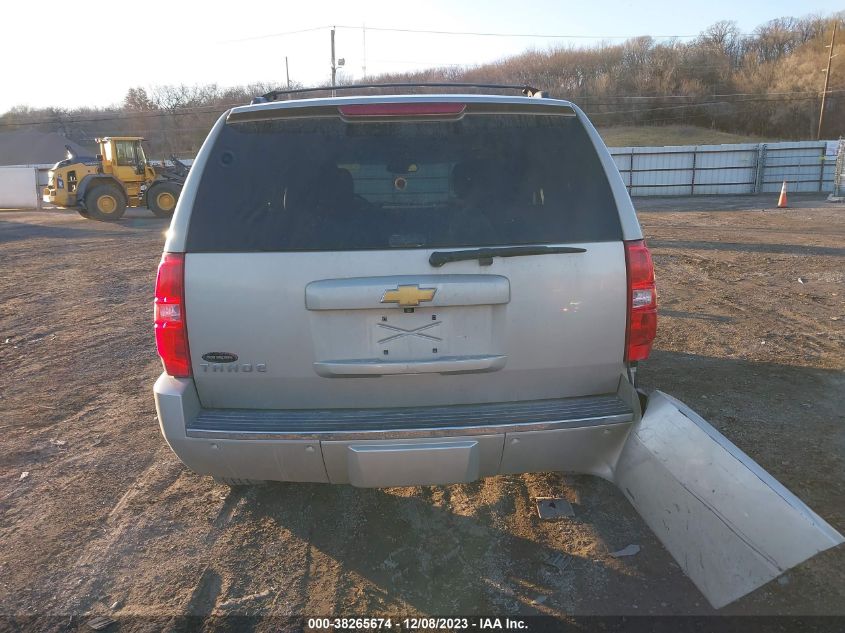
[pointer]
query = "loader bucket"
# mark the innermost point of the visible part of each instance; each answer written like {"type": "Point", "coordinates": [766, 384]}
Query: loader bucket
{"type": "Point", "coordinates": [727, 522]}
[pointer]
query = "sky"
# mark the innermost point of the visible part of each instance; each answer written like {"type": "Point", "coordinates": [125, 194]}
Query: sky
{"type": "Point", "coordinates": [56, 56]}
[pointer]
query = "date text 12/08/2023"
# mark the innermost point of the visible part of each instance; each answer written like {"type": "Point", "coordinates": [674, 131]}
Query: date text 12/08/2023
{"type": "Point", "coordinates": [410, 624]}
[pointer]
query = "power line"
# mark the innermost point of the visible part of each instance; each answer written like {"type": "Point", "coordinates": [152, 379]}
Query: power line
{"type": "Point", "coordinates": [778, 97]}
{"type": "Point", "coordinates": [269, 35]}
{"type": "Point", "coordinates": [758, 99]}
{"type": "Point", "coordinates": [590, 98]}
{"type": "Point", "coordinates": [207, 109]}
{"type": "Point", "coordinates": [699, 105]}
{"type": "Point", "coordinates": [461, 33]}
{"type": "Point", "coordinates": [491, 34]}
{"type": "Point", "coordinates": [431, 64]}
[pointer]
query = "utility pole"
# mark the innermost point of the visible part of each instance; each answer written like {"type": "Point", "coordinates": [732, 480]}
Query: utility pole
{"type": "Point", "coordinates": [364, 65]}
{"type": "Point", "coordinates": [334, 67]}
{"type": "Point", "coordinates": [826, 80]}
{"type": "Point", "coordinates": [287, 71]}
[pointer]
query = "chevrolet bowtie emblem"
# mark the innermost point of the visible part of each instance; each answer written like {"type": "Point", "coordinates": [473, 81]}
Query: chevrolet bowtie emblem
{"type": "Point", "coordinates": [410, 295]}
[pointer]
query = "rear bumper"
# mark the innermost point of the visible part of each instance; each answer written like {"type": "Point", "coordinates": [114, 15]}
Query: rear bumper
{"type": "Point", "coordinates": [395, 447]}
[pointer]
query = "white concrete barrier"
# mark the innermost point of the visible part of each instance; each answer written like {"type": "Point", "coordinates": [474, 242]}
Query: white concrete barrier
{"type": "Point", "coordinates": [19, 188]}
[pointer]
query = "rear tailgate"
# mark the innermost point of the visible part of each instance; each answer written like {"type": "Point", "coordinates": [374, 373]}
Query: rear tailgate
{"type": "Point", "coordinates": [308, 260]}
{"type": "Point", "coordinates": [540, 327]}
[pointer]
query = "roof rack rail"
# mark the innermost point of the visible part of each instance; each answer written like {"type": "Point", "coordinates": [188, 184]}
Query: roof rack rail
{"type": "Point", "coordinates": [274, 95]}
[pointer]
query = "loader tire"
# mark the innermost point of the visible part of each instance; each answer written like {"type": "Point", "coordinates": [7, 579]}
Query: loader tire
{"type": "Point", "coordinates": [162, 197]}
{"type": "Point", "coordinates": [83, 212]}
{"type": "Point", "coordinates": [105, 202]}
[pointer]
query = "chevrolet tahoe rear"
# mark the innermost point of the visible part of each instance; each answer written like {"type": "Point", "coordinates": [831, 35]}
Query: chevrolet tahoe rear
{"type": "Point", "coordinates": [402, 290]}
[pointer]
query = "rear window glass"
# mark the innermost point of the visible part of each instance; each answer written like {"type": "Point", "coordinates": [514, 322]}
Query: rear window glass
{"type": "Point", "coordinates": [325, 184]}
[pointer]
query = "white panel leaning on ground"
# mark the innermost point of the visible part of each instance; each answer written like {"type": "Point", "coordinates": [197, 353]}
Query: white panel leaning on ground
{"type": "Point", "coordinates": [729, 524]}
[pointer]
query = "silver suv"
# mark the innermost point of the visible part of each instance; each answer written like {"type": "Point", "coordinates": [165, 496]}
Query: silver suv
{"type": "Point", "coordinates": [402, 290]}
{"type": "Point", "coordinates": [410, 290]}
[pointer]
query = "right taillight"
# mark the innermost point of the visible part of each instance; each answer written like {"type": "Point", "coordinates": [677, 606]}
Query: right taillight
{"type": "Point", "coordinates": [642, 301]}
{"type": "Point", "coordinates": [170, 329]}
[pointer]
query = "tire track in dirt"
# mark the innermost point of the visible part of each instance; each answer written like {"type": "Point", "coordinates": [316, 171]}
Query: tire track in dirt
{"type": "Point", "coordinates": [121, 531]}
{"type": "Point", "coordinates": [107, 566]}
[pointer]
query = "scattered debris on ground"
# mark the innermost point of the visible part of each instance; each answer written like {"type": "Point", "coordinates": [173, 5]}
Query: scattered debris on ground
{"type": "Point", "coordinates": [236, 602]}
{"type": "Point", "coordinates": [558, 561]}
{"type": "Point", "coordinates": [630, 550]}
{"type": "Point", "coordinates": [100, 623]}
{"type": "Point", "coordinates": [552, 508]}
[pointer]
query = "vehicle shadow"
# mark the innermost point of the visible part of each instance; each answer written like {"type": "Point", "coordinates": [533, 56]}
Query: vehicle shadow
{"type": "Point", "coordinates": [410, 547]}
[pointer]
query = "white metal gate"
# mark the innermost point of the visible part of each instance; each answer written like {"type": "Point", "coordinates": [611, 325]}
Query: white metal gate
{"type": "Point", "coordinates": [744, 168]}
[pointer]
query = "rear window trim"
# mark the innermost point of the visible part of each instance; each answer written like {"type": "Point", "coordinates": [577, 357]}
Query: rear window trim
{"type": "Point", "coordinates": [563, 110]}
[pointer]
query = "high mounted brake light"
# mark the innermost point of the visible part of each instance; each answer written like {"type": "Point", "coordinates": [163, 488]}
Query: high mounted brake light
{"type": "Point", "coordinates": [642, 301]}
{"type": "Point", "coordinates": [170, 329]}
{"type": "Point", "coordinates": [424, 109]}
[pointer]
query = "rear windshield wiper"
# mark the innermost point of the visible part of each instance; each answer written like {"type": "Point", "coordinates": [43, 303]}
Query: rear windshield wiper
{"type": "Point", "coordinates": [485, 255]}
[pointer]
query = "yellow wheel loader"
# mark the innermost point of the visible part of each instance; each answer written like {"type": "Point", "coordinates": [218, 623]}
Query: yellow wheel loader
{"type": "Point", "coordinates": [101, 187]}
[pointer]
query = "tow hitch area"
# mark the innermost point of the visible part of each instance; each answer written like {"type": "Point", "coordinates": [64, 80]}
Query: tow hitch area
{"type": "Point", "coordinates": [727, 522]}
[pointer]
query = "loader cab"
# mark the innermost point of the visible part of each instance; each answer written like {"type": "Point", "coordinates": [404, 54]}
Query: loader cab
{"type": "Point", "coordinates": [124, 158]}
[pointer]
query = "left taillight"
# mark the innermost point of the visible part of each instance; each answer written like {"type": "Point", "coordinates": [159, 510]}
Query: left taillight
{"type": "Point", "coordinates": [170, 327]}
{"type": "Point", "coordinates": [642, 301]}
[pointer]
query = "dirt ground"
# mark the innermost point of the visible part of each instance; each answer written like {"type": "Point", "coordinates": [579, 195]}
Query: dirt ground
{"type": "Point", "coordinates": [108, 521]}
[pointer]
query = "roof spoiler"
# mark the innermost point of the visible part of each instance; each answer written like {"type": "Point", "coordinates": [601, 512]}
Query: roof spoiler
{"type": "Point", "coordinates": [274, 95]}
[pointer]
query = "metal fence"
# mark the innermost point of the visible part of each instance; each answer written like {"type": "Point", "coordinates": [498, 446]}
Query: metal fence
{"type": "Point", "coordinates": [690, 170]}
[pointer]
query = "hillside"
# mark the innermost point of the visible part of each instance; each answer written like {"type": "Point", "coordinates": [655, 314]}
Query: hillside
{"type": "Point", "coordinates": [765, 83]}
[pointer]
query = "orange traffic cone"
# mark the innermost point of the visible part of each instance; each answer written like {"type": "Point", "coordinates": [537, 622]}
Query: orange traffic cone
{"type": "Point", "coordinates": [782, 199]}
